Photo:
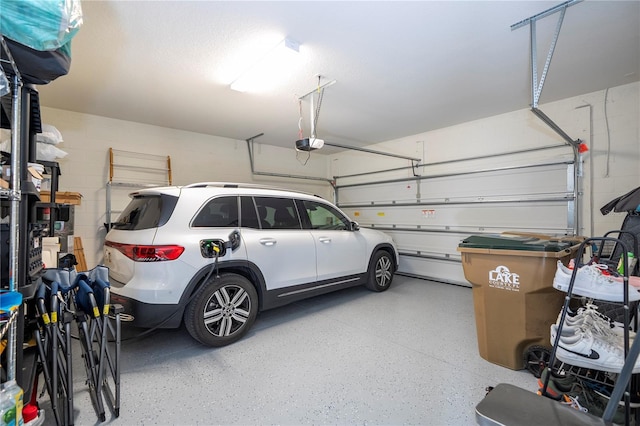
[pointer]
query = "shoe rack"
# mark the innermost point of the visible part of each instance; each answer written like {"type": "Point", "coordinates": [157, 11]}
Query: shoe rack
{"type": "Point", "coordinates": [623, 382]}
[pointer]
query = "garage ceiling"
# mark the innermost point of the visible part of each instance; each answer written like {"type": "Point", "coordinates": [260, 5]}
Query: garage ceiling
{"type": "Point", "coordinates": [401, 68]}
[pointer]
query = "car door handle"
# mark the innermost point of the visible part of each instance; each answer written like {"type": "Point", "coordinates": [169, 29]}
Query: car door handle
{"type": "Point", "coordinates": [325, 240]}
{"type": "Point", "coordinates": [268, 241]}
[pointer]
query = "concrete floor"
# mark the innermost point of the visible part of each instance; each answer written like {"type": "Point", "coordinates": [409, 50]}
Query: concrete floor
{"type": "Point", "coordinates": [405, 356]}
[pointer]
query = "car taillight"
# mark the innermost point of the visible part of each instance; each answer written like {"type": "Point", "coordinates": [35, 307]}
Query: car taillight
{"type": "Point", "coordinates": [144, 253]}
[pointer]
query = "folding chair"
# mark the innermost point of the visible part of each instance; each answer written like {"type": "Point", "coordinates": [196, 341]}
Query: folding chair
{"type": "Point", "coordinates": [98, 324]}
{"type": "Point", "coordinates": [100, 338]}
{"type": "Point", "coordinates": [109, 360]}
{"type": "Point", "coordinates": [85, 303]}
{"type": "Point", "coordinates": [53, 341]}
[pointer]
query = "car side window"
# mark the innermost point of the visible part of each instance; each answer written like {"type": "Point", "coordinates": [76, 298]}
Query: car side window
{"type": "Point", "coordinates": [277, 213]}
{"type": "Point", "coordinates": [248, 215]}
{"type": "Point", "coordinates": [218, 213]}
{"type": "Point", "coordinates": [323, 216]}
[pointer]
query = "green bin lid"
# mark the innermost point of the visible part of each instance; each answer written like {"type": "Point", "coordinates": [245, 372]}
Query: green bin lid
{"type": "Point", "coordinates": [514, 242]}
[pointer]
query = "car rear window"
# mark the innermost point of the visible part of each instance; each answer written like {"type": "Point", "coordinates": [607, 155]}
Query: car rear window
{"type": "Point", "coordinates": [146, 211]}
{"type": "Point", "coordinates": [218, 212]}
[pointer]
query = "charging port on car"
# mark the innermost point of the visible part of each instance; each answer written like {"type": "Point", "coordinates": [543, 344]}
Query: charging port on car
{"type": "Point", "coordinates": [213, 248]}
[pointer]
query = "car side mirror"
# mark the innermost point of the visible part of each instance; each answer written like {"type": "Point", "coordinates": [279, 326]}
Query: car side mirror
{"type": "Point", "coordinates": [355, 226]}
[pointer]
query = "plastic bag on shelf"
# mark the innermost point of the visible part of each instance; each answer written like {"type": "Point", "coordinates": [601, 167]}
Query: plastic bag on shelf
{"type": "Point", "coordinates": [44, 151]}
{"type": "Point", "coordinates": [48, 152]}
{"type": "Point", "coordinates": [50, 134]}
{"type": "Point", "coordinates": [41, 24]}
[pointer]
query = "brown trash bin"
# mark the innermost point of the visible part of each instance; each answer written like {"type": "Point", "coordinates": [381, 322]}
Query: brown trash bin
{"type": "Point", "coordinates": [513, 295]}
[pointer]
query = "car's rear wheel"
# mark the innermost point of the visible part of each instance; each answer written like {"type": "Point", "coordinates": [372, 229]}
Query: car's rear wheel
{"type": "Point", "coordinates": [380, 271]}
{"type": "Point", "coordinates": [222, 310]}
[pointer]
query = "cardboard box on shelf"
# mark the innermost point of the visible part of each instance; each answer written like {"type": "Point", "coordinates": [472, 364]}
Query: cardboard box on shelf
{"type": "Point", "coordinates": [62, 197]}
{"type": "Point", "coordinates": [35, 173]}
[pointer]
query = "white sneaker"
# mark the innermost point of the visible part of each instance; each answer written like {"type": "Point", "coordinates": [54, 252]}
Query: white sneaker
{"type": "Point", "coordinates": [598, 331]}
{"type": "Point", "coordinates": [579, 347]}
{"type": "Point", "coordinates": [591, 282]}
{"type": "Point", "coordinates": [599, 324]}
{"type": "Point", "coordinates": [567, 331]}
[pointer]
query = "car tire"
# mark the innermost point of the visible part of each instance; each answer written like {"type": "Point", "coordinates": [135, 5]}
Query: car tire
{"type": "Point", "coordinates": [380, 271]}
{"type": "Point", "coordinates": [222, 310]}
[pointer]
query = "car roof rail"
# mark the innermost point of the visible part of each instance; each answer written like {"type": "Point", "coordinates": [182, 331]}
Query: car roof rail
{"type": "Point", "coordinates": [242, 185]}
{"type": "Point", "coordinates": [211, 184]}
{"type": "Point", "coordinates": [230, 185]}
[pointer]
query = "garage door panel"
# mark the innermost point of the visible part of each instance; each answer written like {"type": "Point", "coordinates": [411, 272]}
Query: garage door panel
{"type": "Point", "coordinates": [481, 217]}
{"type": "Point", "coordinates": [438, 270]}
{"type": "Point", "coordinates": [435, 244]}
{"type": "Point", "coordinates": [507, 184]}
{"type": "Point", "coordinates": [428, 216]}
{"type": "Point", "coordinates": [378, 194]}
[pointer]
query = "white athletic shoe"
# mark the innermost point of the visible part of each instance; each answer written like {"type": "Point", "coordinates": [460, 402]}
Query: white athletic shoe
{"type": "Point", "coordinates": [599, 324]}
{"type": "Point", "coordinates": [579, 347]}
{"type": "Point", "coordinates": [591, 282]}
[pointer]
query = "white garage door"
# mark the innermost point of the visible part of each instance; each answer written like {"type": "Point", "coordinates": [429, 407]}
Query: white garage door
{"type": "Point", "coordinates": [430, 214]}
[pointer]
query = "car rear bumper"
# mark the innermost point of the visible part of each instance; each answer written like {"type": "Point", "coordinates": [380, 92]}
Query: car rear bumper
{"type": "Point", "coordinates": [146, 315]}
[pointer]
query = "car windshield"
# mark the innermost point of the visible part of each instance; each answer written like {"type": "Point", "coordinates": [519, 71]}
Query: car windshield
{"type": "Point", "coordinates": [145, 211]}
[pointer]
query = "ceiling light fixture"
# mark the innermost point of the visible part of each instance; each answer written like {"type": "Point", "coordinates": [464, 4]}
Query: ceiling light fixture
{"type": "Point", "coordinates": [270, 69]}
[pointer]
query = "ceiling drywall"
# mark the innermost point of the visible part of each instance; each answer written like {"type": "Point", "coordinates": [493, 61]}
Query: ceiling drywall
{"type": "Point", "coordinates": [401, 68]}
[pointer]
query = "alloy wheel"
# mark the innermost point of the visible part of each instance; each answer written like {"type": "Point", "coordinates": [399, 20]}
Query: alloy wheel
{"type": "Point", "coordinates": [227, 310]}
{"type": "Point", "coordinates": [384, 271]}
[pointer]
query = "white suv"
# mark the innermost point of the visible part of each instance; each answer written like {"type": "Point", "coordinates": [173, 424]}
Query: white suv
{"type": "Point", "coordinates": [214, 254]}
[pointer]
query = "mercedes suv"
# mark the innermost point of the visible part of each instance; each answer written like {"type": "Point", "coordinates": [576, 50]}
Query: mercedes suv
{"type": "Point", "coordinates": [212, 255]}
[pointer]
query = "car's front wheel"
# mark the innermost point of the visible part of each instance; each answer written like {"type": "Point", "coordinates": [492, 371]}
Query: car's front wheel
{"type": "Point", "coordinates": [380, 271]}
{"type": "Point", "coordinates": [222, 310]}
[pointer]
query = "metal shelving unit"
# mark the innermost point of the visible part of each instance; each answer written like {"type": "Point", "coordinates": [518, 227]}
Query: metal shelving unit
{"type": "Point", "coordinates": [14, 197]}
{"type": "Point", "coordinates": [20, 112]}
